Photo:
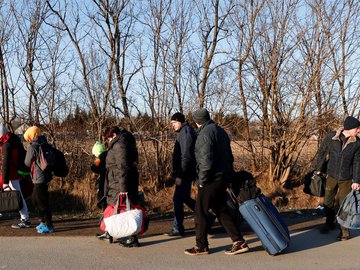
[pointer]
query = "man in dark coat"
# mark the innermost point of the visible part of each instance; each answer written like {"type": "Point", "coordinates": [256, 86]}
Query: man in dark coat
{"type": "Point", "coordinates": [214, 168]}
{"type": "Point", "coordinates": [122, 174]}
{"type": "Point", "coordinates": [184, 170]}
{"type": "Point", "coordinates": [342, 147]}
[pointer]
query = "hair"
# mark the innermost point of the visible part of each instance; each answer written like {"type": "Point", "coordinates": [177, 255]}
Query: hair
{"type": "Point", "coordinates": [110, 130]}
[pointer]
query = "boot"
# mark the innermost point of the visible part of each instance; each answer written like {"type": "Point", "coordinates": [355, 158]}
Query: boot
{"type": "Point", "coordinates": [344, 234]}
{"type": "Point", "coordinates": [132, 241]}
{"type": "Point", "coordinates": [330, 220]}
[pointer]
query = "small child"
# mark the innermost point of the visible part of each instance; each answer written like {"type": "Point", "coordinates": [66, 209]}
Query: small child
{"type": "Point", "coordinates": [99, 168]}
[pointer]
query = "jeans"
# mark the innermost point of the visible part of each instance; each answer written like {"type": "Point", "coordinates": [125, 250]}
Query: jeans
{"type": "Point", "coordinates": [24, 212]}
{"type": "Point", "coordinates": [181, 197]}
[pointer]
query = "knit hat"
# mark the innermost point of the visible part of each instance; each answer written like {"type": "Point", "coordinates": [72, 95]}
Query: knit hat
{"type": "Point", "coordinates": [3, 130]}
{"type": "Point", "coordinates": [201, 116]}
{"type": "Point", "coordinates": [351, 123]}
{"type": "Point", "coordinates": [178, 117]}
{"type": "Point", "coordinates": [97, 149]}
{"type": "Point", "coordinates": [31, 133]}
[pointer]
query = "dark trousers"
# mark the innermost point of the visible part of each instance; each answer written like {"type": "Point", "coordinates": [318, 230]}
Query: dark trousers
{"type": "Point", "coordinates": [40, 200]}
{"type": "Point", "coordinates": [213, 196]}
{"type": "Point", "coordinates": [181, 197]}
{"type": "Point", "coordinates": [335, 193]}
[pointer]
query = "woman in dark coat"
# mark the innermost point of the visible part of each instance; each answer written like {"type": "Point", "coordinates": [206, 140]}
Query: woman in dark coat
{"type": "Point", "coordinates": [122, 174]}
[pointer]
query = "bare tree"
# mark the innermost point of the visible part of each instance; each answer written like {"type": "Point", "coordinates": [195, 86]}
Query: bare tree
{"type": "Point", "coordinates": [212, 19]}
{"type": "Point", "coordinates": [340, 24]}
{"type": "Point", "coordinates": [77, 35]}
{"type": "Point", "coordinates": [29, 18]}
{"type": "Point", "coordinates": [244, 20]}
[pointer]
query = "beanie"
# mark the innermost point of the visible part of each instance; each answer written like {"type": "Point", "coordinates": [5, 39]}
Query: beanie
{"type": "Point", "coordinates": [3, 130]}
{"type": "Point", "coordinates": [97, 149]}
{"type": "Point", "coordinates": [31, 133]}
{"type": "Point", "coordinates": [351, 123]}
{"type": "Point", "coordinates": [201, 116]}
{"type": "Point", "coordinates": [178, 117]}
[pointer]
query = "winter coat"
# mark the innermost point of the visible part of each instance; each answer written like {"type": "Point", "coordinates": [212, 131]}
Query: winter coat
{"type": "Point", "coordinates": [31, 160]}
{"type": "Point", "coordinates": [213, 154]}
{"type": "Point", "coordinates": [184, 164]}
{"type": "Point", "coordinates": [343, 160]}
{"type": "Point", "coordinates": [9, 157]}
{"type": "Point", "coordinates": [100, 169]}
{"type": "Point", "coordinates": [122, 174]}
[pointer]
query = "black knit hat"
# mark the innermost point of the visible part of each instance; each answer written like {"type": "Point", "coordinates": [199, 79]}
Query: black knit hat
{"type": "Point", "coordinates": [201, 116]}
{"type": "Point", "coordinates": [178, 117]}
{"type": "Point", "coordinates": [351, 123]}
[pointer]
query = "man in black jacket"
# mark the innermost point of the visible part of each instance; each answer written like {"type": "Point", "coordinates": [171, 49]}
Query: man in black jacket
{"type": "Point", "coordinates": [214, 168]}
{"type": "Point", "coordinates": [184, 170]}
{"type": "Point", "coordinates": [343, 170]}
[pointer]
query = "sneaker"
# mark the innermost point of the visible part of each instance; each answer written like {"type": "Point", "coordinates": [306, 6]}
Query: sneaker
{"type": "Point", "coordinates": [40, 225]}
{"type": "Point", "coordinates": [194, 251]}
{"type": "Point", "coordinates": [102, 236]}
{"type": "Point", "coordinates": [22, 224]}
{"type": "Point", "coordinates": [237, 248]}
{"type": "Point", "coordinates": [132, 241]}
{"type": "Point", "coordinates": [46, 229]}
{"type": "Point", "coordinates": [175, 233]}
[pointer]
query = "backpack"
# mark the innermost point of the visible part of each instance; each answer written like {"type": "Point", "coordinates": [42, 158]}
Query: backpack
{"type": "Point", "coordinates": [348, 215]}
{"type": "Point", "coordinates": [243, 185]}
{"type": "Point", "coordinates": [52, 160]}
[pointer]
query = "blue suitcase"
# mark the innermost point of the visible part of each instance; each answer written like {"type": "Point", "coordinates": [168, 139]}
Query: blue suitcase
{"type": "Point", "coordinates": [267, 223]}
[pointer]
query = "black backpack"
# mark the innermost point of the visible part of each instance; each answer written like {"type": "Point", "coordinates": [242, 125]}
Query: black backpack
{"type": "Point", "coordinates": [52, 160]}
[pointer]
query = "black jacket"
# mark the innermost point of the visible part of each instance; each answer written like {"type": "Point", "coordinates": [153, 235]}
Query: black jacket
{"type": "Point", "coordinates": [343, 160]}
{"type": "Point", "coordinates": [213, 154]}
{"type": "Point", "coordinates": [122, 174]}
{"type": "Point", "coordinates": [184, 164]}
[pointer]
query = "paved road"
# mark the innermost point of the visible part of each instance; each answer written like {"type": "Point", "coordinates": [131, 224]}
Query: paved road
{"type": "Point", "coordinates": [308, 250]}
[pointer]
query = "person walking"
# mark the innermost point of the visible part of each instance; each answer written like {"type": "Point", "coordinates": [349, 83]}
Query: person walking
{"type": "Point", "coordinates": [99, 168]}
{"type": "Point", "coordinates": [12, 151]}
{"type": "Point", "coordinates": [40, 178]}
{"type": "Point", "coordinates": [342, 147]}
{"type": "Point", "coordinates": [184, 170]}
{"type": "Point", "coordinates": [214, 168]}
{"type": "Point", "coordinates": [122, 174]}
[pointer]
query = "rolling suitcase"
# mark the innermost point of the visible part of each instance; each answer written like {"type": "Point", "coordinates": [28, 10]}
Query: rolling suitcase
{"type": "Point", "coordinates": [266, 222]}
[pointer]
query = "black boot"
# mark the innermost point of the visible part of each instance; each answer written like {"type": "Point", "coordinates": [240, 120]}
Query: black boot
{"type": "Point", "coordinates": [330, 220]}
{"type": "Point", "coordinates": [132, 241]}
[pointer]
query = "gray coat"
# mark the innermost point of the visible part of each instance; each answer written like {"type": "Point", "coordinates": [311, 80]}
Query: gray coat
{"type": "Point", "coordinates": [31, 160]}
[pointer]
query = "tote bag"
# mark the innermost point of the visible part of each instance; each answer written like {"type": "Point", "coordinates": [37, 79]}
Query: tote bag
{"type": "Point", "coordinates": [126, 223]}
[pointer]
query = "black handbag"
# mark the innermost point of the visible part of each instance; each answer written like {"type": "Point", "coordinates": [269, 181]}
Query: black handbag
{"type": "Point", "coordinates": [10, 201]}
{"type": "Point", "coordinates": [315, 184]}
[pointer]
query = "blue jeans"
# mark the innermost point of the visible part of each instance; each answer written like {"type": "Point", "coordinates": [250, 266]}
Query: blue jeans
{"type": "Point", "coordinates": [181, 197]}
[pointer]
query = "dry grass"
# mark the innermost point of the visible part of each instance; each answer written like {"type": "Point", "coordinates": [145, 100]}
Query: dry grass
{"type": "Point", "coordinates": [77, 192]}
